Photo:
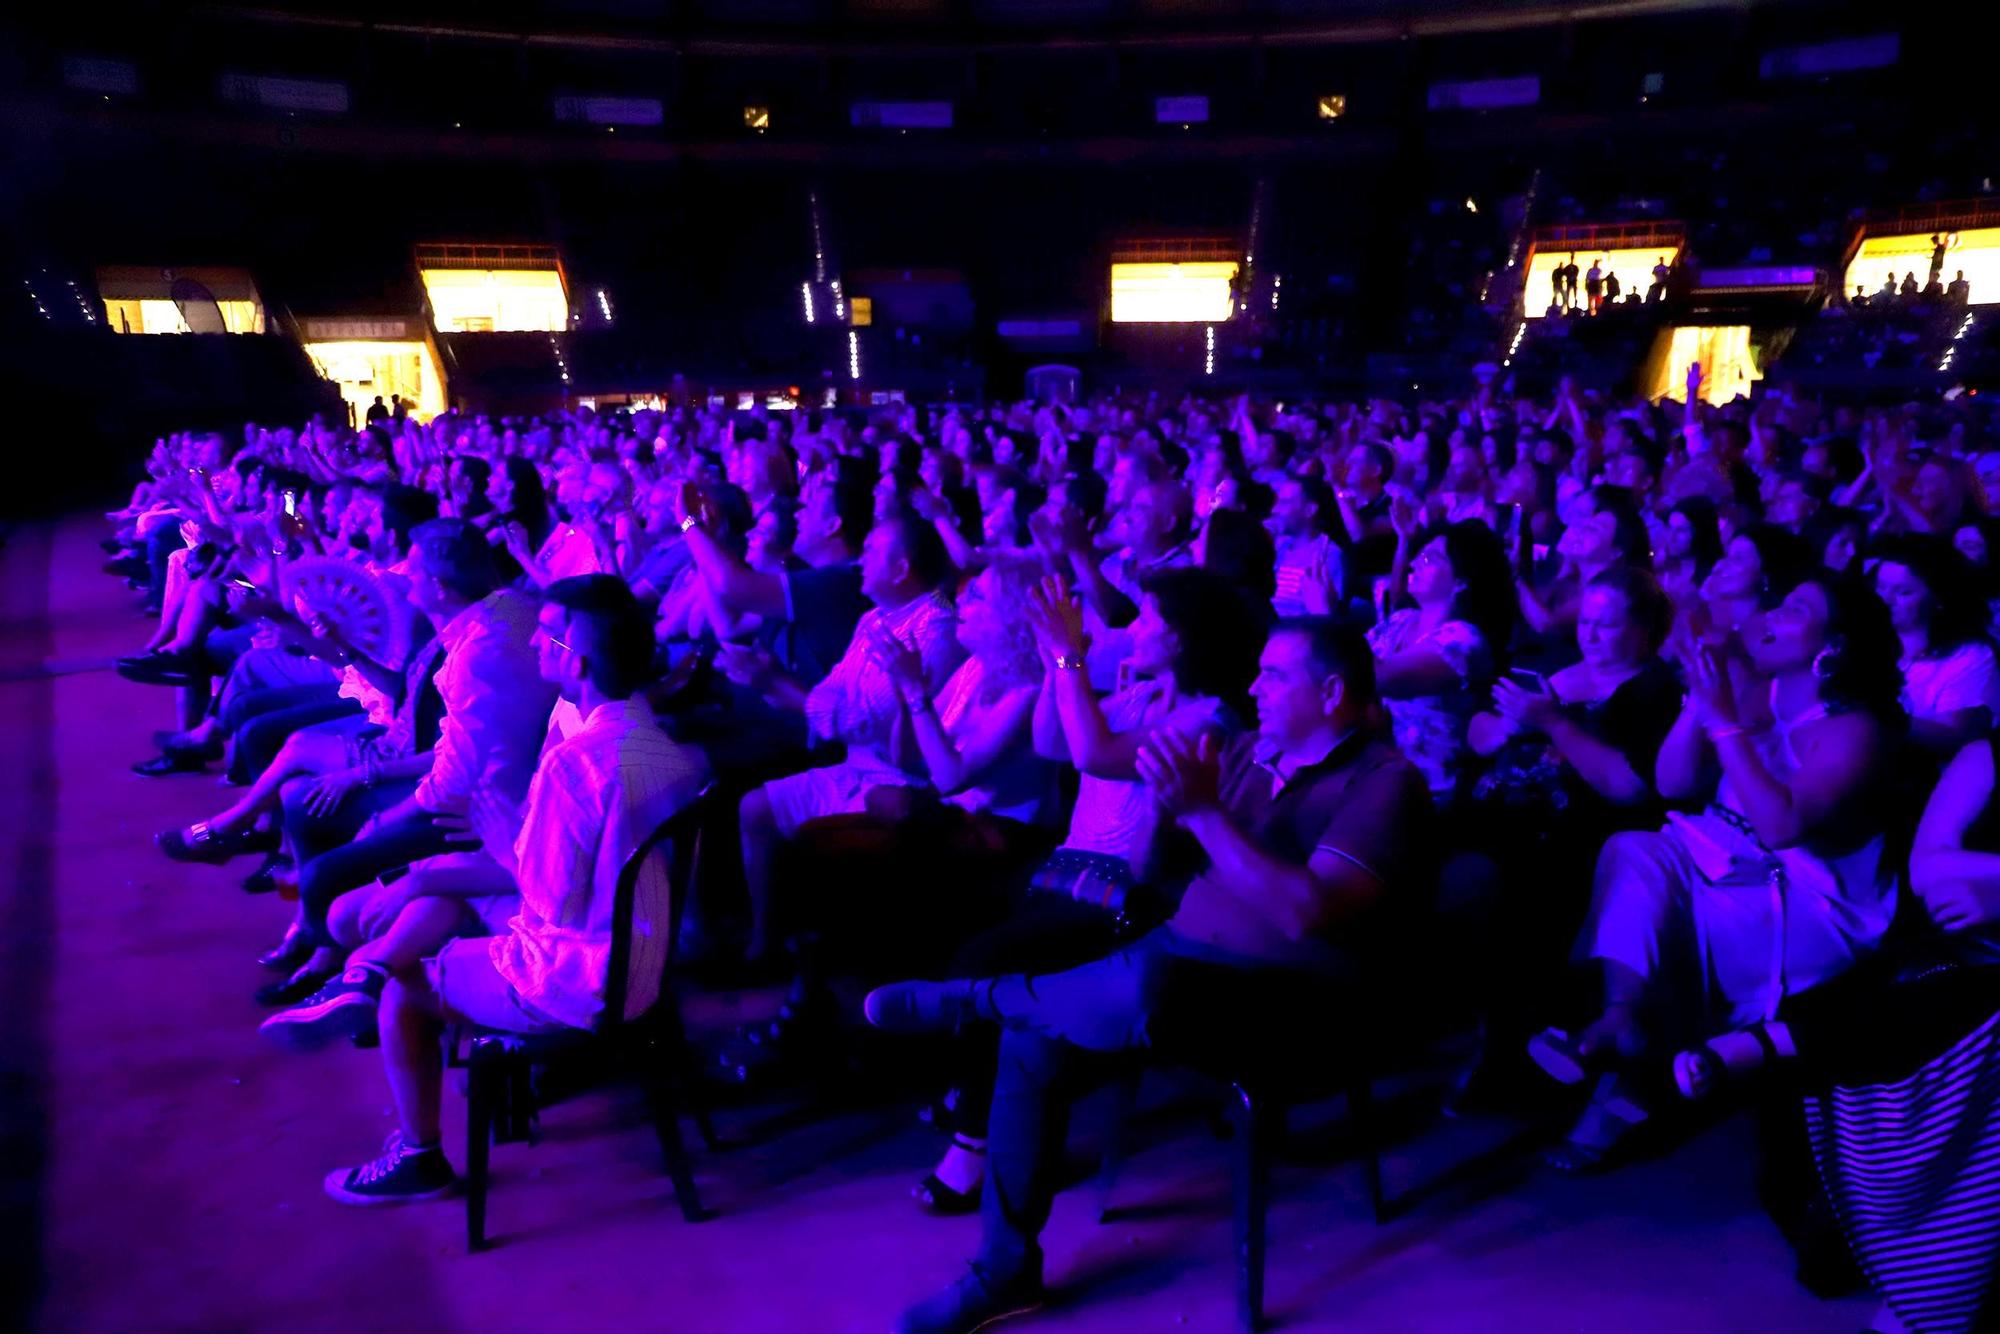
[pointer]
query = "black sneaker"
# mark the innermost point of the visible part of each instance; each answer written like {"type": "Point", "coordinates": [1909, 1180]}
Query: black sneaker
{"type": "Point", "coordinates": [971, 1304]}
{"type": "Point", "coordinates": [343, 1008]}
{"type": "Point", "coordinates": [402, 1175]}
{"type": "Point", "coordinates": [295, 987]}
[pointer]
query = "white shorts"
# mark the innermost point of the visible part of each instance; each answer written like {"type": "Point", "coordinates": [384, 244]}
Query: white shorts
{"type": "Point", "coordinates": [464, 978]}
{"type": "Point", "coordinates": [837, 789]}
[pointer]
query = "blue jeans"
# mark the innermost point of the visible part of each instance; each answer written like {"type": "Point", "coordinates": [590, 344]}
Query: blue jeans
{"type": "Point", "coordinates": [258, 721]}
{"type": "Point", "coordinates": [1066, 1032]}
{"type": "Point", "coordinates": [332, 861]}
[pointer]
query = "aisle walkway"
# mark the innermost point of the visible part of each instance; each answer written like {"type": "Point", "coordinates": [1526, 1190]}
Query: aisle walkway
{"type": "Point", "coordinates": [181, 1182]}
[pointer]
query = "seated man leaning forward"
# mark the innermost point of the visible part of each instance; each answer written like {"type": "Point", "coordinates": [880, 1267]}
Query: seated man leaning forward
{"type": "Point", "coordinates": [596, 796]}
{"type": "Point", "coordinates": [1312, 832]}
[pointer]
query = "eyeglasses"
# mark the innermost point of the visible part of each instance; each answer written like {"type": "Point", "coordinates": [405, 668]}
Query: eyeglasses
{"type": "Point", "coordinates": [557, 642]}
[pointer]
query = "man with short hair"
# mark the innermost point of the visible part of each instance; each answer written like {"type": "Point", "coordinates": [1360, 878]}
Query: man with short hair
{"type": "Point", "coordinates": [597, 796]}
{"type": "Point", "coordinates": [1303, 513]}
{"type": "Point", "coordinates": [907, 575]}
{"type": "Point", "coordinates": [1312, 832]}
{"type": "Point", "coordinates": [485, 699]}
{"type": "Point", "coordinates": [1154, 531]}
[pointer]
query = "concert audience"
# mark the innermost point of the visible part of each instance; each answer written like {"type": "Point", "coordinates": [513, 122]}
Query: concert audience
{"type": "Point", "coordinates": [950, 605]}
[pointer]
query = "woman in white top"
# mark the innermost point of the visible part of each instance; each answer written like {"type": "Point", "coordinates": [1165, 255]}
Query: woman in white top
{"type": "Point", "coordinates": [975, 736]}
{"type": "Point", "coordinates": [1778, 884]}
{"type": "Point", "coordinates": [1949, 674]}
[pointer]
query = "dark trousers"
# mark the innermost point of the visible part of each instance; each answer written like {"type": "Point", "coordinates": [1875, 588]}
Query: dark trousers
{"type": "Point", "coordinates": [258, 721]}
{"type": "Point", "coordinates": [1063, 1033]}
{"type": "Point", "coordinates": [161, 543]}
{"type": "Point", "coordinates": [333, 861]}
{"type": "Point", "coordinates": [1043, 933]}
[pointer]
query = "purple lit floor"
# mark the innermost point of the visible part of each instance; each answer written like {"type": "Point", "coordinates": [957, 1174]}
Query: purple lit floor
{"type": "Point", "coordinates": [181, 1187]}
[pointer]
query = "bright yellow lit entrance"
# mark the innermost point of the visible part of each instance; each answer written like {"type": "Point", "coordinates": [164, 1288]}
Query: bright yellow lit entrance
{"type": "Point", "coordinates": [1728, 364]}
{"type": "Point", "coordinates": [1976, 252]}
{"type": "Point", "coordinates": [149, 316]}
{"type": "Point", "coordinates": [497, 300]}
{"type": "Point", "coordinates": [1634, 269]}
{"type": "Point", "coordinates": [366, 368]}
{"type": "Point", "coordinates": [1194, 293]}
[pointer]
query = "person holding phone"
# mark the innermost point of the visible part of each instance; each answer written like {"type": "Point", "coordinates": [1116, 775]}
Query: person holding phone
{"type": "Point", "coordinates": [1777, 884]}
{"type": "Point", "coordinates": [1570, 762]}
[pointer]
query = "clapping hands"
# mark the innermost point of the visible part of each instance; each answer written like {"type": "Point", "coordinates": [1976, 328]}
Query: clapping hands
{"type": "Point", "coordinates": [1056, 614]}
{"type": "Point", "coordinates": [1185, 774]}
{"type": "Point", "coordinates": [903, 664]}
{"type": "Point", "coordinates": [1526, 709]}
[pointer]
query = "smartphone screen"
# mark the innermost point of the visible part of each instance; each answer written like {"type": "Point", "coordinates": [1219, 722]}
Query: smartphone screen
{"type": "Point", "coordinates": [292, 503]}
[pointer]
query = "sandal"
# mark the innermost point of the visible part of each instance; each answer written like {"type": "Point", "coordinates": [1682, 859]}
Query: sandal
{"type": "Point", "coordinates": [1560, 1056]}
{"type": "Point", "coordinates": [937, 1198]}
{"type": "Point", "coordinates": [1699, 1073]}
{"type": "Point", "coordinates": [1602, 1133]}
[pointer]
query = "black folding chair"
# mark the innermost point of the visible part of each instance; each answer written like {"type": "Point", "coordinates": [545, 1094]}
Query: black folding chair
{"type": "Point", "coordinates": [502, 1069]}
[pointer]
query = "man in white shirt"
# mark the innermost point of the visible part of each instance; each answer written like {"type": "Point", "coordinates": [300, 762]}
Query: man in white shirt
{"type": "Point", "coordinates": [495, 709]}
{"type": "Point", "coordinates": [596, 797]}
{"type": "Point", "coordinates": [905, 573]}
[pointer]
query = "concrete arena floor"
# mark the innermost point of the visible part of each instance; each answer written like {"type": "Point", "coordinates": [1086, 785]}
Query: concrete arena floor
{"type": "Point", "coordinates": [179, 1158]}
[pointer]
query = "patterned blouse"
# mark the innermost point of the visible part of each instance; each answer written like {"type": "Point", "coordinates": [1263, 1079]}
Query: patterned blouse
{"type": "Point", "coordinates": [1430, 729]}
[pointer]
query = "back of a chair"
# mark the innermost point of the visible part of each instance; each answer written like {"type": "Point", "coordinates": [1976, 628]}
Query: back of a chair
{"type": "Point", "coordinates": [678, 840]}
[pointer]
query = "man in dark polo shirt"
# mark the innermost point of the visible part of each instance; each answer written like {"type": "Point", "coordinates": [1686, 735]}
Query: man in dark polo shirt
{"type": "Point", "coordinates": [1313, 833]}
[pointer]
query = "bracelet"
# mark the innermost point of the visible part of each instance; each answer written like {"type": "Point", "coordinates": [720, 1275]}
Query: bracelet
{"type": "Point", "coordinates": [690, 522]}
{"type": "Point", "coordinates": [1068, 663]}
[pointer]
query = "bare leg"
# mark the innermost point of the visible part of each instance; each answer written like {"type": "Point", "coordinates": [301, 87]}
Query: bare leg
{"type": "Point", "coordinates": [418, 932]}
{"type": "Point", "coordinates": [192, 701]}
{"type": "Point", "coordinates": [1617, 1030]}
{"type": "Point", "coordinates": [303, 755]}
{"type": "Point", "coordinates": [412, 1023]}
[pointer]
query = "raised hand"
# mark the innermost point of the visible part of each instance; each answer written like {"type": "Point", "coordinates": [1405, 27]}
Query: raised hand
{"type": "Point", "coordinates": [1710, 689]}
{"type": "Point", "coordinates": [1056, 614]}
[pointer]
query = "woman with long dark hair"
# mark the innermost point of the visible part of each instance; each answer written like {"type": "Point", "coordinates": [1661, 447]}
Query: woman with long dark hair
{"type": "Point", "coordinates": [1434, 660]}
{"type": "Point", "coordinates": [1951, 683]}
{"type": "Point", "coordinates": [1777, 884]}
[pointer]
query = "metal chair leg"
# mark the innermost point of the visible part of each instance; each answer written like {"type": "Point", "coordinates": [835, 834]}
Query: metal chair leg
{"type": "Point", "coordinates": [1250, 1158]}
{"type": "Point", "coordinates": [687, 1072]}
{"type": "Point", "coordinates": [663, 1102]}
{"type": "Point", "coordinates": [483, 1070]}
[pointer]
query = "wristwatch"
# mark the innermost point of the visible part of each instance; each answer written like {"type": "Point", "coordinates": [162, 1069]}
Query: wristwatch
{"type": "Point", "coordinates": [1069, 662]}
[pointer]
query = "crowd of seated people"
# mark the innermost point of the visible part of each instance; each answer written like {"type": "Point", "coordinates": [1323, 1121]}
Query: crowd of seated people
{"type": "Point", "coordinates": [1209, 719]}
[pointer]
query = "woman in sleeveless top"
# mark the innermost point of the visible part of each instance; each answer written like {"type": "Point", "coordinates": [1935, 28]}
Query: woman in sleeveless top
{"type": "Point", "coordinates": [1775, 886]}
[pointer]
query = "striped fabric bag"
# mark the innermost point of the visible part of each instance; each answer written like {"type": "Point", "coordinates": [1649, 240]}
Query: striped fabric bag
{"type": "Point", "coordinates": [1913, 1169]}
